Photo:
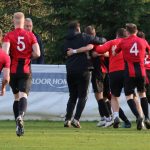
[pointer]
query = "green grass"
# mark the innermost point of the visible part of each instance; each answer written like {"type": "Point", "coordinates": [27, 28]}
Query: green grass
{"type": "Point", "coordinates": [45, 135]}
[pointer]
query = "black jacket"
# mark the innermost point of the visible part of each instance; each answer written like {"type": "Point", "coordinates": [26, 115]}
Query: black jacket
{"type": "Point", "coordinates": [78, 62]}
{"type": "Point", "coordinates": [39, 60]}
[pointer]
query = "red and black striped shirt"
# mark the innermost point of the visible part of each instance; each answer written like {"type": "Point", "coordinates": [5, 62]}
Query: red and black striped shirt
{"type": "Point", "coordinates": [21, 42]}
{"type": "Point", "coordinates": [134, 50]}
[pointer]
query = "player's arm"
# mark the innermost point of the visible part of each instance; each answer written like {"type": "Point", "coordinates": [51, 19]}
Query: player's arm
{"type": "Point", "coordinates": [36, 50]}
{"type": "Point", "coordinates": [95, 54]}
{"type": "Point", "coordinates": [6, 47]}
{"type": "Point", "coordinates": [101, 49]}
{"type": "Point", "coordinates": [5, 80]}
{"type": "Point", "coordinates": [6, 75]}
{"type": "Point", "coordinates": [80, 50]}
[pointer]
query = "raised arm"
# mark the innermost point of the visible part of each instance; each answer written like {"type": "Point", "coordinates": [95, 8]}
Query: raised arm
{"type": "Point", "coordinates": [80, 50]}
{"type": "Point", "coordinates": [103, 48]}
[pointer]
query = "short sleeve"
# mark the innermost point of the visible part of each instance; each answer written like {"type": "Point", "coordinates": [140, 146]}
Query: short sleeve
{"type": "Point", "coordinates": [6, 38]}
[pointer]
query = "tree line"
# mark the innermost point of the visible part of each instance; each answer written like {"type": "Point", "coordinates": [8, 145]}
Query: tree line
{"type": "Point", "coordinates": [51, 17]}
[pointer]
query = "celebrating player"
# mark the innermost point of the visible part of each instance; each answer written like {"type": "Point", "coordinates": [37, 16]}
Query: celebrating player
{"type": "Point", "coordinates": [133, 49]}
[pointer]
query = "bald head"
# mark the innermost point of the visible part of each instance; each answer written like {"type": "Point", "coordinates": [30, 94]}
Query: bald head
{"type": "Point", "coordinates": [28, 24]}
{"type": "Point", "coordinates": [18, 19]}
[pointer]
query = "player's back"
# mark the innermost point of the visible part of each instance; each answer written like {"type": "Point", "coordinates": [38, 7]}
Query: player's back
{"type": "Point", "coordinates": [116, 62]}
{"type": "Point", "coordinates": [21, 42]}
{"type": "Point", "coordinates": [133, 49]}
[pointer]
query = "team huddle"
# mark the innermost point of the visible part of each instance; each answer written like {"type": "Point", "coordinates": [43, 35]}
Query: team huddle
{"type": "Point", "coordinates": [129, 64]}
{"type": "Point", "coordinates": [87, 58]}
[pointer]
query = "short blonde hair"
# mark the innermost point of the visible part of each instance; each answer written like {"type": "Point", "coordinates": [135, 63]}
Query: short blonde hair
{"type": "Point", "coordinates": [18, 17]}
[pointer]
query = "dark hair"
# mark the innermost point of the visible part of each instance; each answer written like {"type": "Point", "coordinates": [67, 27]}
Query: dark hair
{"type": "Point", "coordinates": [131, 28]}
{"type": "Point", "coordinates": [90, 30]}
{"type": "Point", "coordinates": [74, 25]}
{"type": "Point", "coordinates": [141, 34]}
{"type": "Point", "coordinates": [121, 32]}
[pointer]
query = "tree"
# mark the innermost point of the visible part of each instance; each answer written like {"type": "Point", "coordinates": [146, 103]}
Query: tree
{"type": "Point", "coordinates": [50, 18]}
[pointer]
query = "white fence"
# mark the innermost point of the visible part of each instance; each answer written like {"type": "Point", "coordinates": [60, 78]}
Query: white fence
{"type": "Point", "coordinates": [49, 96]}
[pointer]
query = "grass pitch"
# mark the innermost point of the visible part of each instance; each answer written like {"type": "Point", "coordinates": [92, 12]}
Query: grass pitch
{"type": "Point", "coordinates": [45, 135]}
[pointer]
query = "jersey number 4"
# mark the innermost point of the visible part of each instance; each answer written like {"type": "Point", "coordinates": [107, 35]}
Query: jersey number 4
{"type": "Point", "coordinates": [134, 49]}
{"type": "Point", "coordinates": [20, 44]}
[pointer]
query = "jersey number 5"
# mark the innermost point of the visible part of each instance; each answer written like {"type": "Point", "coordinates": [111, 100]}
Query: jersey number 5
{"type": "Point", "coordinates": [134, 49]}
{"type": "Point", "coordinates": [21, 44]}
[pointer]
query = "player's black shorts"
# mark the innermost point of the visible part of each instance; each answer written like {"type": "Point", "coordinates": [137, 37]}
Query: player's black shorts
{"type": "Point", "coordinates": [130, 83]}
{"type": "Point", "coordinates": [116, 82]}
{"type": "Point", "coordinates": [20, 83]}
{"type": "Point", "coordinates": [97, 81]}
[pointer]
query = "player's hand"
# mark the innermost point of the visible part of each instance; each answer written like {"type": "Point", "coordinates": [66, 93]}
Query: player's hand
{"type": "Point", "coordinates": [2, 92]}
{"type": "Point", "coordinates": [95, 54]}
{"type": "Point", "coordinates": [70, 52]}
{"type": "Point", "coordinates": [113, 50]}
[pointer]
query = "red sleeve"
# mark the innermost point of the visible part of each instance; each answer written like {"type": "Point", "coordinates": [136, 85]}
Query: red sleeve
{"type": "Point", "coordinates": [6, 38]}
{"type": "Point", "coordinates": [5, 59]}
{"type": "Point", "coordinates": [103, 48]}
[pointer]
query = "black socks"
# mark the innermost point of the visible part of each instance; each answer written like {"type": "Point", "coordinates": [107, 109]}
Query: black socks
{"type": "Point", "coordinates": [16, 109]}
{"type": "Point", "coordinates": [103, 108]}
{"type": "Point", "coordinates": [133, 108]}
{"type": "Point", "coordinates": [122, 115]}
{"type": "Point", "coordinates": [22, 106]}
{"type": "Point", "coordinates": [144, 105]}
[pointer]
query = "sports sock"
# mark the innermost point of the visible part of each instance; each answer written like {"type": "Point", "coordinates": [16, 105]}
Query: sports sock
{"type": "Point", "coordinates": [100, 109]}
{"type": "Point", "coordinates": [22, 106]}
{"type": "Point", "coordinates": [108, 106]}
{"type": "Point", "coordinates": [122, 115]}
{"type": "Point", "coordinates": [133, 108]}
{"type": "Point", "coordinates": [16, 109]}
{"type": "Point", "coordinates": [115, 114]}
{"type": "Point", "coordinates": [144, 105]}
{"type": "Point", "coordinates": [104, 108]}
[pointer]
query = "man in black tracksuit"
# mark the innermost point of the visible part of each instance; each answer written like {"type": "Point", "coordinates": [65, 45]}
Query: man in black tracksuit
{"type": "Point", "coordinates": [78, 74]}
